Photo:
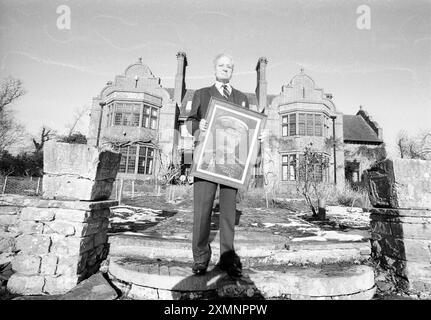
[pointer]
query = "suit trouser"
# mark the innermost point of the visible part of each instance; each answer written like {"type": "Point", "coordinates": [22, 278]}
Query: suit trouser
{"type": "Point", "coordinates": [203, 193]}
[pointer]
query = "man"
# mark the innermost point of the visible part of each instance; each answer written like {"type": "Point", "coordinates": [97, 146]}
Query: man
{"type": "Point", "coordinates": [204, 191]}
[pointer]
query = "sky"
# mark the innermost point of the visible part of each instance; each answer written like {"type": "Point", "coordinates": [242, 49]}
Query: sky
{"type": "Point", "coordinates": [384, 66]}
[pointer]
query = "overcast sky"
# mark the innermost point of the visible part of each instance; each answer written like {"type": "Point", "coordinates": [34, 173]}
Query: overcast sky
{"type": "Point", "coordinates": [386, 68]}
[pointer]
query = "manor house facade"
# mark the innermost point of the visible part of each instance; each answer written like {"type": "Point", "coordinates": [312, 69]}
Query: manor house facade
{"type": "Point", "coordinates": [146, 122]}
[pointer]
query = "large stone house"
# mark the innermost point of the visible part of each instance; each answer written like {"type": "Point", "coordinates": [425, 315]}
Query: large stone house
{"type": "Point", "coordinates": [135, 115]}
{"type": "Point", "coordinates": [147, 123]}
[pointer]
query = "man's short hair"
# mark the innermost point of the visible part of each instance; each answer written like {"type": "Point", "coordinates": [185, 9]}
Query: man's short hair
{"type": "Point", "coordinates": [217, 57]}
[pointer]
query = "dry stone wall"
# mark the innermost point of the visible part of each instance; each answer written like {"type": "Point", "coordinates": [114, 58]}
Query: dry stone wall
{"type": "Point", "coordinates": [56, 243]}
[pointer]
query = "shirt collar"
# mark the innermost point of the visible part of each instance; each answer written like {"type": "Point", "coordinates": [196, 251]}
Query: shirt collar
{"type": "Point", "coordinates": [218, 85]}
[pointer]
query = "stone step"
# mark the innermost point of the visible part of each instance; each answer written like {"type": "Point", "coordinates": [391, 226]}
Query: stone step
{"type": "Point", "coordinates": [254, 248]}
{"type": "Point", "coordinates": [144, 278]}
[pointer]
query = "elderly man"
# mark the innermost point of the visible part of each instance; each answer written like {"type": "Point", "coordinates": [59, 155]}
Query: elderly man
{"type": "Point", "coordinates": [204, 191]}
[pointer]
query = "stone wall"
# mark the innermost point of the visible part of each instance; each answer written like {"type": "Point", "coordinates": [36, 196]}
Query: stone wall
{"type": "Point", "coordinates": [400, 191]}
{"type": "Point", "coordinates": [8, 234]}
{"type": "Point", "coordinates": [57, 244]}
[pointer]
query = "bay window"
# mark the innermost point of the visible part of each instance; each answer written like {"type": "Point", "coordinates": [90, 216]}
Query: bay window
{"type": "Point", "coordinates": [303, 124]}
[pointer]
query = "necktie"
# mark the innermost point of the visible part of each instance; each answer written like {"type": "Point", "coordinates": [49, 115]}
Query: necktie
{"type": "Point", "coordinates": [225, 92]}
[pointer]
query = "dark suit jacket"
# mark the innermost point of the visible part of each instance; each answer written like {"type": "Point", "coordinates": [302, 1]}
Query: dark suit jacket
{"type": "Point", "coordinates": [201, 101]}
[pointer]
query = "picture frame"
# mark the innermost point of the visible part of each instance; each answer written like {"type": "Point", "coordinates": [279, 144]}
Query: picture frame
{"type": "Point", "coordinates": [227, 150]}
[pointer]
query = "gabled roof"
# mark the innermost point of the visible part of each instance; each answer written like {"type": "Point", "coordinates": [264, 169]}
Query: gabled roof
{"type": "Point", "coordinates": [356, 129]}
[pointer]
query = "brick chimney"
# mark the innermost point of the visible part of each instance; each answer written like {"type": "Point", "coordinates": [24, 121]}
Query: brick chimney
{"type": "Point", "coordinates": [261, 86]}
{"type": "Point", "coordinates": [180, 83]}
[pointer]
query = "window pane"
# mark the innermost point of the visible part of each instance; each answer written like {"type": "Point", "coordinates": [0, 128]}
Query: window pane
{"type": "Point", "coordinates": [142, 151]}
{"type": "Point", "coordinates": [135, 122]}
{"type": "Point", "coordinates": [145, 121]}
{"type": "Point", "coordinates": [122, 167]}
{"type": "Point", "coordinates": [131, 164]}
{"type": "Point", "coordinates": [141, 165]}
{"type": "Point", "coordinates": [153, 123]}
{"type": "Point", "coordinates": [284, 159]}
{"type": "Point", "coordinates": [292, 167]}
{"type": "Point", "coordinates": [126, 119]}
{"type": "Point", "coordinates": [310, 124]}
{"type": "Point", "coordinates": [132, 150]}
{"type": "Point", "coordinates": [284, 172]}
{"type": "Point", "coordinates": [131, 160]}
{"type": "Point", "coordinates": [149, 166]}
{"type": "Point", "coordinates": [301, 123]}
{"type": "Point", "coordinates": [284, 119]}
{"type": "Point", "coordinates": [292, 125]}
{"type": "Point", "coordinates": [120, 107]}
{"type": "Point", "coordinates": [123, 160]}
{"type": "Point", "coordinates": [118, 117]}
{"type": "Point", "coordinates": [154, 112]}
{"type": "Point", "coordinates": [318, 126]}
{"type": "Point", "coordinates": [145, 161]}
{"type": "Point", "coordinates": [284, 130]}
{"type": "Point", "coordinates": [146, 110]}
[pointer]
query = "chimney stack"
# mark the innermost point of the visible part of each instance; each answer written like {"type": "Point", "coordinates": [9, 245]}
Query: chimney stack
{"type": "Point", "coordinates": [180, 82]}
{"type": "Point", "coordinates": [261, 86]}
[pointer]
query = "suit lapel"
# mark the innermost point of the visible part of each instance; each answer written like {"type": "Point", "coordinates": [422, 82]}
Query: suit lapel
{"type": "Point", "coordinates": [232, 97]}
{"type": "Point", "coordinates": [215, 93]}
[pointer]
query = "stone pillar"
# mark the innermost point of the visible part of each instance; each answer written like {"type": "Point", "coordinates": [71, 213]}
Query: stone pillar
{"type": "Point", "coordinates": [59, 239]}
{"type": "Point", "coordinates": [400, 193]}
{"type": "Point", "coordinates": [78, 171]}
{"type": "Point", "coordinates": [59, 244]}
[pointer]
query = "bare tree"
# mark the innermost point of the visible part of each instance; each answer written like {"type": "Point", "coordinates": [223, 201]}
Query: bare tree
{"type": "Point", "coordinates": [311, 167]}
{"type": "Point", "coordinates": [79, 113]}
{"type": "Point", "coordinates": [416, 147]}
{"type": "Point", "coordinates": [166, 173]}
{"type": "Point", "coordinates": [45, 135]}
{"type": "Point", "coordinates": [11, 132]}
{"type": "Point", "coordinates": [10, 90]}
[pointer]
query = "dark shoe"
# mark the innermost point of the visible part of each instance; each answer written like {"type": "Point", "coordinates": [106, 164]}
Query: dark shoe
{"type": "Point", "coordinates": [200, 268]}
{"type": "Point", "coordinates": [230, 262]}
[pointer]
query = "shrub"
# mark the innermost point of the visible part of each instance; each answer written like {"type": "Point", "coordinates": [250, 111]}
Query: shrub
{"type": "Point", "coordinates": [348, 197]}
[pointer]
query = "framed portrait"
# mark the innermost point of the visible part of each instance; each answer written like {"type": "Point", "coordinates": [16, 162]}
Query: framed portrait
{"type": "Point", "coordinates": [227, 150]}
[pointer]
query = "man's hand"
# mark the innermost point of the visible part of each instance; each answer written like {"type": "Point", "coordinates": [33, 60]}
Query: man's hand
{"type": "Point", "coordinates": [203, 125]}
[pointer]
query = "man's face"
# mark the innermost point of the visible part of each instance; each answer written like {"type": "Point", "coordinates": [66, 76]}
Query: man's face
{"type": "Point", "coordinates": [223, 69]}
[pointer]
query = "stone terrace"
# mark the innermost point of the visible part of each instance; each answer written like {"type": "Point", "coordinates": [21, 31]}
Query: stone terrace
{"type": "Point", "coordinates": [284, 256]}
